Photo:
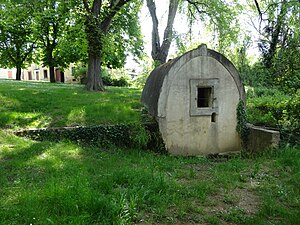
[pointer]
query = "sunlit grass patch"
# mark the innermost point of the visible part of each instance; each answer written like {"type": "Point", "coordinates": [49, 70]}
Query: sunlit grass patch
{"type": "Point", "coordinates": [37, 104]}
{"type": "Point", "coordinates": [66, 183]}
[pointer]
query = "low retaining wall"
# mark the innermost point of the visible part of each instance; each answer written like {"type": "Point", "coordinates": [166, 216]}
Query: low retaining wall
{"type": "Point", "coordinates": [261, 138]}
{"type": "Point", "coordinates": [123, 135]}
{"type": "Point", "coordinates": [132, 135]}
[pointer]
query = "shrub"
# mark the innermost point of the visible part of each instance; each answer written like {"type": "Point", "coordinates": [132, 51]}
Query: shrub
{"type": "Point", "coordinates": [271, 107]}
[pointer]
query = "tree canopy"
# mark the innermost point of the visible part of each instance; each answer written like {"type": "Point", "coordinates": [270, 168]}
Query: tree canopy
{"type": "Point", "coordinates": [17, 39]}
{"type": "Point", "coordinates": [102, 33]}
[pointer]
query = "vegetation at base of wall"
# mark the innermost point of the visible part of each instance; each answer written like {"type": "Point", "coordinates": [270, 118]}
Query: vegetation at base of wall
{"type": "Point", "coordinates": [144, 136]}
{"type": "Point", "coordinates": [67, 183]}
{"type": "Point", "coordinates": [242, 127]}
{"type": "Point", "coordinates": [274, 108]}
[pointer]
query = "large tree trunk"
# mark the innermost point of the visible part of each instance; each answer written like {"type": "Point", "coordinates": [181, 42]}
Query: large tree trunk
{"type": "Point", "coordinates": [18, 73]}
{"type": "Point", "coordinates": [160, 52]}
{"type": "Point", "coordinates": [94, 81]}
{"type": "Point", "coordinates": [95, 28]}
{"type": "Point", "coordinates": [52, 75]}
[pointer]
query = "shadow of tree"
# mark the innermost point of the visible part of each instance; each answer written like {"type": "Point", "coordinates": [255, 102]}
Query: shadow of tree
{"type": "Point", "coordinates": [37, 105]}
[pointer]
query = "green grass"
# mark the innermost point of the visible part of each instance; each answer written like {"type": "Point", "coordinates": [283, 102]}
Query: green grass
{"type": "Point", "coordinates": [35, 105]}
{"type": "Point", "coordinates": [66, 183]}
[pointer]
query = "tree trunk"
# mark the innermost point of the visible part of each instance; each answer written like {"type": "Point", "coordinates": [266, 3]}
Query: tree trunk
{"type": "Point", "coordinates": [94, 81]}
{"type": "Point", "coordinates": [18, 73]}
{"type": "Point", "coordinates": [94, 36]}
{"type": "Point", "coordinates": [160, 52]}
{"type": "Point", "coordinates": [95, 28]}
{"type": "Point", "coordinates": [52, 75]}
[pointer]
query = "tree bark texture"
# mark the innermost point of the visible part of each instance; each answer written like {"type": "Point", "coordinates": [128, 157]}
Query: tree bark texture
{"type": "Point", "coordinates": [18, 73]}
{"type": "Point", "coordinates": [159, 51]}
{"type": "Point", "coordinates": [94, 34]}
{"type": "Point", "coordinates": [94, 81]}
{"type": "Point", "coordinates": [52, 75]}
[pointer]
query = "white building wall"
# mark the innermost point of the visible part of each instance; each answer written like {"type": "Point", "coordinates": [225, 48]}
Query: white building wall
{"type": "Point", "coordinates": [187, 134]}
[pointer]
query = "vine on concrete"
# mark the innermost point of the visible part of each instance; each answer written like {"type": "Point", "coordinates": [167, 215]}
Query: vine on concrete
{"type": "Point", "coordinates": [241, 126]}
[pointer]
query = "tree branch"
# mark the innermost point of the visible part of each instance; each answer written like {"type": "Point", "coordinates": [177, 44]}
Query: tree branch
{"type": "Point", "coordinates": [258, 9]}
{"type": "Point", "coordinates": [86, 5]}
{"type": "Point", "coordinates": [28, 52]}
{"type": "Point", "coordinates": [196, 5]}
{"type": "Point", "coordinates": [155, 35]}
{"type": "Point", "coordinates": [114, 7]}
{"type": "Point", "coordinates": [169, 28]}
{"type": "Point", "coordinates": [96, 7]}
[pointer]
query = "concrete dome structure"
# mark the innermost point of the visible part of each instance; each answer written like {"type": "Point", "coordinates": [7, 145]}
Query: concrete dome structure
{"type": "Point", "coordinates": [194, 99]}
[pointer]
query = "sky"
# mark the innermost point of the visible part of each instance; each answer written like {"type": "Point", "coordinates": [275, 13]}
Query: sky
{"type": "Point", "coordinates": [181, 27]}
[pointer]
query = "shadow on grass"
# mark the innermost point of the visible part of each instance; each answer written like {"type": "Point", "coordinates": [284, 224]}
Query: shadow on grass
{"type": "Point", "coordinates": [36, 105]}
{"type": "Point", "coordinates": [63, 183]}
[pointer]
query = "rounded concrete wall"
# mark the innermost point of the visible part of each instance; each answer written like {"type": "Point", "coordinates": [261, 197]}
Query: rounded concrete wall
{"type": "Point", "coordinates": [186, 128]}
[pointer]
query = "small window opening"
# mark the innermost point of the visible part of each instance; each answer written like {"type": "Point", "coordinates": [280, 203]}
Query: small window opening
{"type": "Point", "coordinates": [45, 74]}
{"type": "Point", "coordinates": [213, 117]}
{"type": "Point", "coordinates": [204, 97]}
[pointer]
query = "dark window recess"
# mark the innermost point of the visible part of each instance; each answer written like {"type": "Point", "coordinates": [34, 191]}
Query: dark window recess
{"type": "Point", "coordinates": [213, 117]}
{"type": "Point", "coordinates": [204, 97]}
{"type": "Point", "coordinates": [45, 74]}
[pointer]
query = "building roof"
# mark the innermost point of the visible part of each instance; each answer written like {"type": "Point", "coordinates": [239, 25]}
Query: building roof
{"type": "Point", "coordinates": [154, 83]}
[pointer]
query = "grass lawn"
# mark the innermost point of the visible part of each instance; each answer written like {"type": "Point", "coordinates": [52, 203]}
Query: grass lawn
{"type": "Point", "coordinates": [66, 183]}
{"type": "Point", "coordinates": [36, 104]}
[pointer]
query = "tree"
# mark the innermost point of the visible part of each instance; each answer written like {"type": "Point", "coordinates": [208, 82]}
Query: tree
{"type": "Point", "coordinates": [53, 18]}
{"type": "Point", "coordinates": [217, 14]}
{"type": "Point", "coordinates": [17, 39]}
{"type": "Point", "coordinates": [160, 50]}
{"type": "Point", "coordinates": [280, 41]}
{"type": "Point", "coordinates": [99, 17]}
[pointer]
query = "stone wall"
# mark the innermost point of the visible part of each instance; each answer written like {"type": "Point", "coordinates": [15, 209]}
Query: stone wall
{"type": "Point", "coordinates": [262, 139]}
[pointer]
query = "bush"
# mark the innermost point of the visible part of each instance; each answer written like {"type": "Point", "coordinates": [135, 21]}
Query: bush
{"type": "Point", "coordinates": [109, 77]}
{"type": "Point", "coordinates": [116, 78]}
{"type": "Point", "coordinates": [272, 108]}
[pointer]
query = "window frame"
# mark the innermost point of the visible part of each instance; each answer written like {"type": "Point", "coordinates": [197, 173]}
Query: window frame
{"type": "Point", "coordinates": [195, 85]}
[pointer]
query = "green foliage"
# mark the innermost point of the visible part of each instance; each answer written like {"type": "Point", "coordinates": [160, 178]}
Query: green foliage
{"type": "Point", "coordinates": [273, 108]}
{"type": "Point", "coordinates": [59, 29]}
{"type": "Point", "coordinates": [115, 77]}
{"type": "Point", "coordinates": [144, 135]}
{"type": "Point", "coordinates": [72, 45]}
{"type": "Point", "coordinates": [99, 136]}
{"type": "Point", "coordinates": [79, 71]}
{"type": "Point", "coordinates": [147, 68]}
{"type": "Point", "coordinates": [123, 37]}
{"type": "Point", "coordinates": [220, 19]}
{"type": "Point", "coordinates": [17, 39]}
{"type": "Point", "coordinates": [279, 43]}
{"type": "Point", "coordinates": [241, 126]}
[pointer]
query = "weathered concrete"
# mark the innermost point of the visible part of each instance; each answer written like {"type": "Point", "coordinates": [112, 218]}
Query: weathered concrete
{"type": "Point", "coordinates": [171, 96]}
{"type": "Point", "coordinates": [260, 139]}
